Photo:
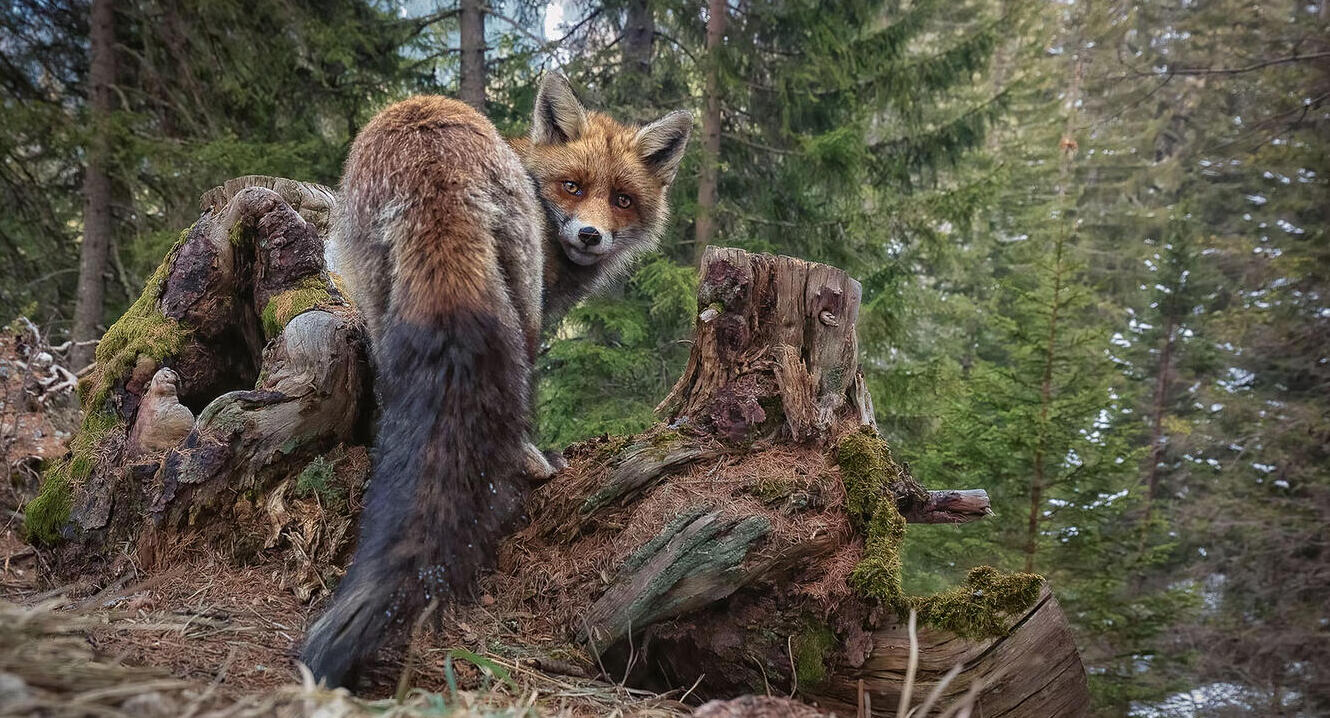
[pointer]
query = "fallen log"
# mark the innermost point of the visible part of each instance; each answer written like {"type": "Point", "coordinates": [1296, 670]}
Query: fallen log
{"type": "Point", "coordinates": [749, 543]}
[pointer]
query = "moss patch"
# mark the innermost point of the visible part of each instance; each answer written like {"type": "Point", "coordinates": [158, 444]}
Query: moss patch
{"type": "Point", "coordinates": [812, 647]}
{"type": "Point", "coordinates": [311, 292]}
{"type": "Point", "coordinates": [878, 573]}
{"type": "Point", "coordinates": [975, 609]}
{"type": "Point", "coordinates": [319, 479]}
{"type": "Point", "coordinates": [141, 331]}
{"type": "Point", "coordinates": [239, 235]}
{"type": "Point", "coordinates": [48, 512]}
{"type": "Point", "coordinates": [869, 473]}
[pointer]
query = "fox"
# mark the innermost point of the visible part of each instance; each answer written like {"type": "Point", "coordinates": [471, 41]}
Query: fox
{"type": "Point", "coordinates": [459, 247]}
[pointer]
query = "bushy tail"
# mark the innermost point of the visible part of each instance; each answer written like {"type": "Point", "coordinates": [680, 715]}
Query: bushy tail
{"type": "Point", "coordinates": [446, 480]}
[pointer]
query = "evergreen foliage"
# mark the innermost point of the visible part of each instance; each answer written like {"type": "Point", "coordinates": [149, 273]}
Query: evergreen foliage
{"type": "Point", "coordinates": [1091, 236]}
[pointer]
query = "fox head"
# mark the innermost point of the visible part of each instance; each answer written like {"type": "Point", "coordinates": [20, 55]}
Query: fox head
{"type": "Point", "coordinates": [604, 184]}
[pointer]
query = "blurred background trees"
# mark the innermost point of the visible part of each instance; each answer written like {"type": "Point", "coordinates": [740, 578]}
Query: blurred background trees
{"type": "Point", "coordinates": [1092, 237]}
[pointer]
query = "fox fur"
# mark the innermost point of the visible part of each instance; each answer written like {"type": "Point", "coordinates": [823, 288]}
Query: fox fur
{"type": "Point", "coordinates": [458, 246]}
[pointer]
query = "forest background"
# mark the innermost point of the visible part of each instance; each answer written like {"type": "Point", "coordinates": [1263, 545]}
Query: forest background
{"type": "Point", "coordinates": [1092, 237]}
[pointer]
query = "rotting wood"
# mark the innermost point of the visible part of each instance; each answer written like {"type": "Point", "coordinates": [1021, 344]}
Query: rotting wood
{"type": "Point", "coordinates": [1033, 671]}
{"type": "Point", "coordinates": [775, 352]}
{"type": "Point", "coordinates": [273, 360]}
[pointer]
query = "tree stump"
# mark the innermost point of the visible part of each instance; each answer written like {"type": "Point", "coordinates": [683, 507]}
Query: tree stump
{"type": "Point", "coordinates": [724, 551]}
{"type": "Point", "coordinates": [775, 354]}
{"type": "Point", "coordinates": [748, 544]}
{"type": "Point", "coordinates": [266, 352]}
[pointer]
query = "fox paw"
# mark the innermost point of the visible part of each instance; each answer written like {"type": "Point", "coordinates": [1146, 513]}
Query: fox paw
{"type": "Point", "coordinates": [541, 466]}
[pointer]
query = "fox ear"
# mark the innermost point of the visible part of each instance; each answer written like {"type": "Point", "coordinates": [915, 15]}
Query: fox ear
{"type": "Point", "coordinates": [559, 116]}
{"type": "Point", "coordinates": [661, 143]}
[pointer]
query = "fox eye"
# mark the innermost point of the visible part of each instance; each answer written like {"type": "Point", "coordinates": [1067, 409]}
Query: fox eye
{"type": "Point", "coordinates": [572, 188]}
{"type": "Point", "coordinates": [623, 201]}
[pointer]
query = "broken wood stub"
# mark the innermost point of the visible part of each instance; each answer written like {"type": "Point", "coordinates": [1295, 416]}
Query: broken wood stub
{"type": "Point", "coordinates": [775, 354]}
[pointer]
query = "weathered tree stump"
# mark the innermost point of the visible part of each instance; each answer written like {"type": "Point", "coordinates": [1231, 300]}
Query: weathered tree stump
{"type": "Point", "coordinates": [242, 325]}
{"type": "Point", "coordinates": [775, 353]}
{"type": "Point", "coordinates": [724, 551]}
{"type": "Point", "coordinates": [747, 544]}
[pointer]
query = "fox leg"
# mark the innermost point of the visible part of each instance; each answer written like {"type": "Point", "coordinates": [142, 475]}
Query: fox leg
{"type": "Point", "coordinates": [538, 468]}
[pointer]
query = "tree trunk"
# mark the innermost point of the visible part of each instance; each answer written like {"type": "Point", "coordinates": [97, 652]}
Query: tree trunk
{"type": "Point", "coordinates": [472, 30]}
{"type": "Point", "coordinates": [96, 187]}
{"type": "Point", "coordinates": [1067, 217]}
{"type": "Point", "coordinates": [638, 33]}
{"type": "Point", "coordinates": [707, 189]}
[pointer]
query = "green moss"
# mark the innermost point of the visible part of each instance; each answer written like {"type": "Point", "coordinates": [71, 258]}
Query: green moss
{"type": "Point", "coordinates": [48, 512]}
{"type": "Point", "coordinates": [666, 439]}
{"type": "Point", "coordinates": [771, 490]}
{"type": "Point", "coordinates": [878, 573]}
{"type": "Point", "coordinates": [868, 472]}
{"type": "Point", "coordinates": [239, 235]}
{"type": "Point", "coordinates": [282, 308]}
{"type": "Point", "coordinates": [812, 647]}
{"type": "Point", "coordinates": [975, 609]}
{"type": "Point", "coordinates": [319, 479]}
{"type": "Point", "coordinates": [141, 331]}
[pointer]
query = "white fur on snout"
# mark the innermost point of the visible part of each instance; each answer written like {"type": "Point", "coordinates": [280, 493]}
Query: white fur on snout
{"type": "Point", "coordinates": [577, 250]}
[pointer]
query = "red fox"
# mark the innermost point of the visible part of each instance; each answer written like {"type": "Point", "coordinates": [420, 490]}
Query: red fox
{"type": "Point", "coordinates": [457, 247]}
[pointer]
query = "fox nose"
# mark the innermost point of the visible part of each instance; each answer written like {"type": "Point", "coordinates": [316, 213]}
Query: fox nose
{"type": "Point", "coordinates": [590, 236]}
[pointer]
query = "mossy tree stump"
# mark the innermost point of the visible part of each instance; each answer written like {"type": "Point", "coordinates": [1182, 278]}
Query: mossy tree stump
{"type": "Point", "coordinates": [751, 542]}
{"type": "Point", "coordinates": [265, 352]}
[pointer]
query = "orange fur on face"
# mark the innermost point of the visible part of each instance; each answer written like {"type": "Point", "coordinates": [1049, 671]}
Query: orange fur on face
{"type": "Point", "coordinates": [604, 161]}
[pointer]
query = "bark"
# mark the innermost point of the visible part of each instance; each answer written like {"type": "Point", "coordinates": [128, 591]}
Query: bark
{"type": "Point", "coordinates": [1033, 671]}
{"type": "Point", "coordinates": [707, 183]}
{"type": "Point", "coordinates": [472, 30]}
{"type": "Point", "coordinates": [776, 351]}
{"type": "Point", "coordinates": [96, 186]}
{"type": "Point", "coordinates": [638, 33]}
{"type": "Point", "coordinates": [1162, 381]}
{"type": "Point", "coordinates": [704, 553]}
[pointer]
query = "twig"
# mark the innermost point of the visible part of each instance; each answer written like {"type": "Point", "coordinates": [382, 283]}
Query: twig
{"type": "Point", "coordinates": [794, 670]}
{"type": "Point", "coordinates": [903, 706]}
{"type": "Point", "coordinates": [692, 688]}
{"type": "Point", "coordinates": [936, 693]}
{"type": "Point", "coordinates": [413, 651]}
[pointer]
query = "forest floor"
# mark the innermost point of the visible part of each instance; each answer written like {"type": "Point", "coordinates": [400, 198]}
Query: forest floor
{"type": "Point", "coordinates": [208, 637]}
